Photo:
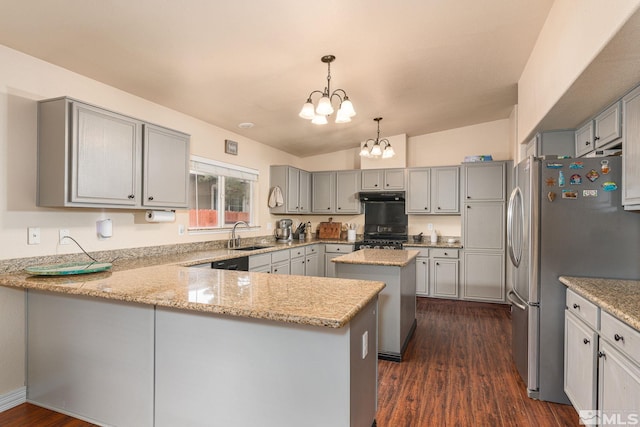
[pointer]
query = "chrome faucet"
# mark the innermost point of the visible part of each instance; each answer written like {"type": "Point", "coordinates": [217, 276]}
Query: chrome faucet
{"type": "Point", "coordinates": [234, 242]}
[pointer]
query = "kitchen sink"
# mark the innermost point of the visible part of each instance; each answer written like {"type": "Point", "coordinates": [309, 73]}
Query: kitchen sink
{"type": "Point", "coordinates": [252, 248]}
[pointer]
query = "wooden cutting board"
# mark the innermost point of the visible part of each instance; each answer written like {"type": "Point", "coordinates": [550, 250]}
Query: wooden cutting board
{"type": "Point", "coordinates": [329, 230]}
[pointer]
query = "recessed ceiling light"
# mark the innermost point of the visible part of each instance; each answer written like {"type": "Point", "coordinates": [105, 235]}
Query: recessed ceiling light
{"type": "Point", "coordinates": [246, 125]}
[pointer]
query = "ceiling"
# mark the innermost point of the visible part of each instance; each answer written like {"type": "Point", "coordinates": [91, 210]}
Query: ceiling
{"type": "Point", "coordinates": [423, 65]}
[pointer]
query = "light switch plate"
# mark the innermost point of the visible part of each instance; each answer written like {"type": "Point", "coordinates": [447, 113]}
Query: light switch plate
{"type": "Point", "coordinates": [33, 235]}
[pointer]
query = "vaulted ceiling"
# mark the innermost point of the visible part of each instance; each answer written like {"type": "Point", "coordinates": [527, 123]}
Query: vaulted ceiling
{"type": "Point", "coordinates": [423, 65]}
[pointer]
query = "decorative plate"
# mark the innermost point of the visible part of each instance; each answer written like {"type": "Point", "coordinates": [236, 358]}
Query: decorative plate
{"type": "Point", "coordinates": [68, 268]}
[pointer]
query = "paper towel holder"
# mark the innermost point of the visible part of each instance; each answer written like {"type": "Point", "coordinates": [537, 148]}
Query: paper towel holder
{"type": "Point", "coordinates": [160, 216]}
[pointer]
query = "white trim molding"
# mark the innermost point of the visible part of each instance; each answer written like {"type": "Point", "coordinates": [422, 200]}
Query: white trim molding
{"type": "Point", "coordinates": [13, 398]}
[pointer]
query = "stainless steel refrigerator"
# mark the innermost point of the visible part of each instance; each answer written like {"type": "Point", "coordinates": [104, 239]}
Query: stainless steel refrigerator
{"type": "Point", "coordinates": [564, 218]}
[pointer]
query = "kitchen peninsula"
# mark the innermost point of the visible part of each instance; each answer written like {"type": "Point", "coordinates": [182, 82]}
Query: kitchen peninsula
{"type": "Point", "coordinates": [170, 345]}
{"type": "Point", "coordinates": [397, 301]}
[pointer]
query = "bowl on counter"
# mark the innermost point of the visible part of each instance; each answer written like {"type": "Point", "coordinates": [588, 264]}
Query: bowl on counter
{"type": "Point", "coordinates": [417, 238]}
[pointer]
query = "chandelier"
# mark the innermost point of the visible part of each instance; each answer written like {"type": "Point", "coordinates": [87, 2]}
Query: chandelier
{"type": "Point", "coordinates": [318, 114]}
{"type": "Point", "coordinates": [379, 147]}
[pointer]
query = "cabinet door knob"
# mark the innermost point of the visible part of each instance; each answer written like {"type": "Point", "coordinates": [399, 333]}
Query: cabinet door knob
{"type": "Point", "coordinates": [586, 341]}
{"type": "Point", "coordinates": [468, 207]}
{"type": "Point", "coordinates": [468, 197]}
{"type": "Point", "coordinates": [446, 253]}
{"type": "Point", "coordinates": [576, 306]}
{"type": "Point", "coordinates": [150, 197]}
{"type": "Point", "coordinates": [618, 337]}
{"type": "Point", "coordinates": [424, 262]}
{"type": "Point", "coordinates": [601, 354]}
{"type": "Point", "coordinates": [339, 208]}
{"type": "Point", "coordinates": [587, 143]}
{"type": "Point", "coordinates": [131, 196]}
{"type": "Point", "coordinates": [375, 185]}
{"type": "Point", "coordinates": [437, 263]}
{"type": "Point", "coordinates": [596, 138]}
{"type": "Point", "coordinates": [438, 207]}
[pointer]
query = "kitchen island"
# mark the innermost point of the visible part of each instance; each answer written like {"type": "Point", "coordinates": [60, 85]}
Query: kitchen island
{"type": "Point", "coordinates": [169, 345]}
{"type": "Point", "coordinates": [397, 301]}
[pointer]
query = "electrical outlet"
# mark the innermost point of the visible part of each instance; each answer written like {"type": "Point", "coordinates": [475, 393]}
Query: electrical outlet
{"type": "Point", "coordinates": [33, 235]}
{"type": "Point", "coordinates": [62, 233]}
{"type": "Point", "coordinates": [365, 344]}
{"type": "Point", "coordinates": [430, 227]}
{"type": "Point", "coordinates": [180, 229]}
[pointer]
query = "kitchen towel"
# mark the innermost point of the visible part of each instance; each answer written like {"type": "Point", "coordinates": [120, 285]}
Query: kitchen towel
{"type": "Point", "coordinates": [160, 216]}
{"type": "Point", "coordinates": [275, 198]}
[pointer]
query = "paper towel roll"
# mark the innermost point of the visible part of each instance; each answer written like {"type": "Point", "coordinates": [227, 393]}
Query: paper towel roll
{"type": "Point", "coordinates": [160, 216]}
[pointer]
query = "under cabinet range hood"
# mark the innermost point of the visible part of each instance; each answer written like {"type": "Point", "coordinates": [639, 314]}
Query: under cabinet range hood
{"type": "Point", "coordinates": [382, 196]}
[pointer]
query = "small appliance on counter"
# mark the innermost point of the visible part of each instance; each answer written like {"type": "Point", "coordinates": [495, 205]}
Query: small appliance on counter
{"type": "Point", "coordinates": [284, 230]}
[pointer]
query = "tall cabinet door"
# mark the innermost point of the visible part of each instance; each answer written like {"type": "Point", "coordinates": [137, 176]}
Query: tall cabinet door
{"type": "Point", "coordinates": [484, 182]}
{"type": "Point", "coordinates": [166, 167]}
{"type": "Point", "coordinates": [484, 225]}
{"type": "Point", "coordinates": [631, 158]}
{"type": "Point", "coordinates": [293, 190]}
{"type": "Point", "coordinates": [580, 363]}
{"type": "Point", "coordinates": [347, 187]}
{"type": "Point", "coordinates": [445, 190]}
{"type": "Point", "coordinates": [304, 192]}
{"type": "Point", "coordinates": [418, 190]}
{"type": "Point", "coordinates": [106, 153]}
{"type": "Point", "coordinates": [323, 198]}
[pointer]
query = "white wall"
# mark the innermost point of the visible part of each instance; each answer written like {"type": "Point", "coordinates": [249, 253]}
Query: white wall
{"type": "Point", "coordinates": [572, 36]}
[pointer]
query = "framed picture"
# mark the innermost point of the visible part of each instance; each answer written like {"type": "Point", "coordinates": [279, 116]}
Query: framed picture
{"type": "Point", "coordinates": [230, 147]}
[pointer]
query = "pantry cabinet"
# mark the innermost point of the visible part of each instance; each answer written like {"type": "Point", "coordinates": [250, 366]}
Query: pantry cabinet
{"type": "Point", "coordinates": [92, 157]}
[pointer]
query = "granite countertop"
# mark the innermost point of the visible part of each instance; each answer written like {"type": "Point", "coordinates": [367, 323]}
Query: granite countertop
{"type": "Point", "coordinates": [317, 301]}
{"type": "Point", "coordinates": [388, 257]}
{"type": "Point", "coordinates": [619, 297]}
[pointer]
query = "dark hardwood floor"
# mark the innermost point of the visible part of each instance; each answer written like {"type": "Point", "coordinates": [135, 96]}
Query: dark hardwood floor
{"type": "Point", "coordinates": [457, 371]}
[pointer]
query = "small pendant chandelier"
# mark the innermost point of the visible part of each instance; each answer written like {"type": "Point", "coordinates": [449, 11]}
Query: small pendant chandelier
{"type": "Point", "coordinates": [318, 115]}
{"type": "Point", "coordinates": [379, 147]}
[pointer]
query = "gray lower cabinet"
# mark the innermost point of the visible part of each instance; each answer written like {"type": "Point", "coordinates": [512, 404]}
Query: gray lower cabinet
{"type": "Point", "coordinates": [422, 276]}
{"type": "Point", "coordinates": [281, 268]}
{"type": "Point", "coordinates": [580, 360]}
{"type": "Point", "coordinates": [332, 251]}
{"type": "Point", "coordinates": [483, 276]}
{"type": "Point", "coordinates": [92, 157]}
{"type": "Point", "coordinates": [444, 273]}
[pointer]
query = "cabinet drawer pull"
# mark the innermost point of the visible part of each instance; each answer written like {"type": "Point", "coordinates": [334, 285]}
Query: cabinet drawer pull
{"type": "Point", "coordinates": [618, 337]}
{"type": "Point", "coordinates": [586, 341]}
{"type": "Point", "coordinates": [446, 253]}
{"type": "Point", "coordinates": [576, 306]}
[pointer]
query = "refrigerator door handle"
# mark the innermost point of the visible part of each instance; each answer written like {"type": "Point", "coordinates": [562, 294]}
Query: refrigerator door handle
{"type": "Point", "coordinates": [515, 194]}
{"type": "Point", "coordinates": [515, 300]}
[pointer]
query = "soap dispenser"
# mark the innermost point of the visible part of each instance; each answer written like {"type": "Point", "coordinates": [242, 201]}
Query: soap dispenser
{"type": "Point", "coordinates": [434, 236]}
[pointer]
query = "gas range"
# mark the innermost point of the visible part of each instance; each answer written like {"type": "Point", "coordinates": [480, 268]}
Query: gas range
{"type": "Point", "coordinates": [379, 244]}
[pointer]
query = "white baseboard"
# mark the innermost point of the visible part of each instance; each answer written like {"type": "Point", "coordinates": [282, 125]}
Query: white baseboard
{"type": "Point", "coordinates": [13, 398]}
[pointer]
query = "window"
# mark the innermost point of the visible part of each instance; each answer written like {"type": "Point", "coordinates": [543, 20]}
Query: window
{"type": "Point", "coordinates": [220, 194]}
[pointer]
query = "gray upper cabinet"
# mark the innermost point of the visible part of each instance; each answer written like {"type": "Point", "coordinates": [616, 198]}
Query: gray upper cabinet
{"type": "Point", "coordinates": [91, 157]}
{"type": "Point", "coordinates": [584, 139]}
{"type": "Point", "coordinates": [418, 191]}
{"type": "Point", "coordinates": [324, 192]}
{"type": "Point", "coordinates": [295, 185]}
{"type": "Point", "coordinates": [631, 158]}
{"type": "Point", "coordinates": [382, 179]}
{"type": "Point", "coordinates": [552, 143]}
{"type": "Point", "coordinates": [304, 192]}
{"type": "Point", "coordinates": [347, 187]}
{"type": "Point", "coordinates": [608, 126]}
{"type": "Point", "coordinates": [602, 131]}
{"type": "Point", "coordinates": [445, 190]}
{"type": "Point", "coordinates": [484, 181]}
{"type": "Point", "coordinates": [165, 186]}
